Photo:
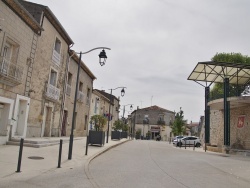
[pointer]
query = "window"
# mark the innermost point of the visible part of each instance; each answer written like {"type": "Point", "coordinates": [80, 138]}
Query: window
{"type": "Point", "coordinates": [53, 76]}
{"type": "Point", "coordinates": [69, 78]}
{"type": "Point", "coordinates": [10, 50]}
{"type": "Point", "coordinates": [57, 45]}
{"type": "Point", "coordinates": [68, 88]}
{"type": "Point", "coordinates": [81, 86]}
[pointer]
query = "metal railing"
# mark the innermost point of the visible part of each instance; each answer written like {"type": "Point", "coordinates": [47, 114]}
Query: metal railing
{"type": "Point", "coordinates": [11, 70]}
{"type": "Point", "coordinates": [52, 92]}
{"type": "Point", "coordinates": [234, 91]}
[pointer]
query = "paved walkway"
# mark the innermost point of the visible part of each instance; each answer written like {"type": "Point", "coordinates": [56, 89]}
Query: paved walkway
{"type": "Point", "coordinates": [47, 157]}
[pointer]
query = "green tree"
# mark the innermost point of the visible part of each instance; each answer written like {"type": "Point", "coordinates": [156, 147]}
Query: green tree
{"type": "Point", "coordinates": [99, 122]}
{"type": "Point", "coordinates": [217, 90]}
{"type": "Point", "coordinates": [179, 124]}
{"type": "Point", "coordinates": [118, 125]}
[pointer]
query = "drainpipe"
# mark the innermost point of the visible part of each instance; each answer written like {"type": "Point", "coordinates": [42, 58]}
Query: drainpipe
{"type": "Point", "coordinates": [64, 91]}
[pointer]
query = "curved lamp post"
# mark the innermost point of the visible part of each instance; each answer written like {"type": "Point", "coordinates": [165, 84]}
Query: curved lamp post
{"type": "Point", "coordinates": [102, 60]}
{"type": "Point", "coordinates": [110, 97]}
{"type": "Point", "coordinates": [131, 108]}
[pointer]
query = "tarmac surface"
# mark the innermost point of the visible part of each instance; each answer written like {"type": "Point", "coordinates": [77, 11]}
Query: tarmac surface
{"type": "Point", "coordinates": [44, 160]}
{"type": "Point", "coordinates": [36, 161]}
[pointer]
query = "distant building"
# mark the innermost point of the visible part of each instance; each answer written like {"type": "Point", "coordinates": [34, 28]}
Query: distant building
{"type": "Point", "coordinates": [151, 122]}
{"type": "Point", "coordinates": [101, 101]}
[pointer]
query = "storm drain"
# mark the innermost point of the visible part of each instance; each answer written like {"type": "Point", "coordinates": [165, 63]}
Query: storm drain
{"type": "Point", "coordinates": [36, 157]}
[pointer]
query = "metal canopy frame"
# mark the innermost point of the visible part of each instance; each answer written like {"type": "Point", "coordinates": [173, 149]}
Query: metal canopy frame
{"type": "Point", "coordinates": [215, 72]}
{"type": "Point", "coordinates": [219, 72]}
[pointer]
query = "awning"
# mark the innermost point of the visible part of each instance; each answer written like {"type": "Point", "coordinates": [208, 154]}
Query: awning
{"type": "Point", "coordinates": [215, 72]}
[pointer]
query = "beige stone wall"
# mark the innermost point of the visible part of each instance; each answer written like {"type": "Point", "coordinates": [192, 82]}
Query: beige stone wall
{"type": "Point", "coordinates": [15, 29]}
{"type": "Point", "coordinates": [239, 137]}
{"type": "Point", "coordinates": [82, 108]}
{"type": "Point", "coordinates": [42, 65]}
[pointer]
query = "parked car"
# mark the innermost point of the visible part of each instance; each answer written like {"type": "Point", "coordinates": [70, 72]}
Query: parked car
{"type": "Point", "coordinates": [188, 141]}
{"type": "Point", "coordinates": [177, 138]}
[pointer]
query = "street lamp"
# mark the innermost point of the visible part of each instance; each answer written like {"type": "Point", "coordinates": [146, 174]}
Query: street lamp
{"type": "Point", "coordinates": [131, 108]}
{"type": "Point", "coordinates": [102, 60]}
{"type": "Point", "coordinates": [110, 96]}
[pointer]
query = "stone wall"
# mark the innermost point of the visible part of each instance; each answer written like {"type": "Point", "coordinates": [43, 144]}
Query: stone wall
{"type": "Point", "coordinates": [239, 137]}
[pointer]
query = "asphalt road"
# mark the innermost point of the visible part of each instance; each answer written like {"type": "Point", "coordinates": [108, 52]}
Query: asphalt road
{"type": "Point", "coordinates": [142, 164]}
{"type": "Point", "coordinates": [139, 163]}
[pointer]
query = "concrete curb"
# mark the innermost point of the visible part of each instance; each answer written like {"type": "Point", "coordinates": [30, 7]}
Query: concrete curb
{"type": "Point", "coordinates": [86, 165]}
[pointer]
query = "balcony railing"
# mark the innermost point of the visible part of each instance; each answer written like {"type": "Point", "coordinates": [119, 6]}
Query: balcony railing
{"type": "Point", "coordinates": [11, 73]}
{"type": "Point", "coordinates": [56, 57]}
{"type": "Point", "coordinates": [161, 122]}
{"type": "Point", "coordinates": [234, 91]}
{"type": "Point", "coordinates": [52, 92]}
{"type": "Point", "coordinates": [68, 89]}
{"type": "Point", "coordinates": [80, 96]}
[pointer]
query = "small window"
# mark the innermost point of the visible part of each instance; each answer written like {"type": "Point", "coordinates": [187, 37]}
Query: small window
{"type": "Point", "coordinates": [88, 93]}
{"type": "Point", "coordinates": [81, 86]}
{"type": "Point", "coordinates": [53, 76]}
{"type": "Point", "coordinates": [69, 78]}
{"type": "Point", "coordinates": [58, 45]}
{"type": "Point", "coordinates": [10, 50]}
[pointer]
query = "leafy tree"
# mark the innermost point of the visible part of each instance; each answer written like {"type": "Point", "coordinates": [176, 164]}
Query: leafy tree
{"type": "Point", "coordinates": [125, 128]}
{"type": "Point", "coordinates": [217, 90]}
{"type": "Point", "coordinates": [99, 122]}
{"type": "Point", "coordinates": [179, 124]}
{"type": "Point", "coordinates": [118, 125]}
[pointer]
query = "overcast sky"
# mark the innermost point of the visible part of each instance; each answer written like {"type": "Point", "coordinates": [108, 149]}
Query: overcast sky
{"type": "Point", "coordinates": [155, 44]}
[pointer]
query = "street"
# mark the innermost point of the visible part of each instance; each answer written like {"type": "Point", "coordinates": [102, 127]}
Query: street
{"type": "Point", "coordinates": [144, 164]}
{"type": "Point", "coordinates": [137, 164]}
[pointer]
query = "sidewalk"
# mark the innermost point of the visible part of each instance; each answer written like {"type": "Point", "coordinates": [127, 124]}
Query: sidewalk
{"type": "Point", "coordinates": [45, 159]}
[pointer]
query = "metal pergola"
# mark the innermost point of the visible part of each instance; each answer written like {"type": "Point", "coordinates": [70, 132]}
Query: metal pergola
{"type": "Point", "coordinates": [219, 72]}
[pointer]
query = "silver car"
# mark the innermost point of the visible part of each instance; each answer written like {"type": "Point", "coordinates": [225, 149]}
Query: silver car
{"type": "Point", "coordinates": [188, 141]}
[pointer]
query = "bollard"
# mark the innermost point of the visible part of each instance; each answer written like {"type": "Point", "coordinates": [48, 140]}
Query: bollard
{"type": "Point", "coordinates": [180, 143]}
{"type": "Point", "coordinates": [20, 156]}
{"type": "Point", "coordinates": [169, 140]}
{"type": "Point", "coordinates": [194, 146]}
{"type": "Point", "coordinates": [205, 147]}
{"type": "Point", "coordinates": [185, 144]}
{"type": "Point", "coordinates": [87, 145]}
{"type": "Point", "coordinates": [60, 154]}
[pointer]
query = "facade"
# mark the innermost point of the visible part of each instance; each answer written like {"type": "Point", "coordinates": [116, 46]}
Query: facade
{"type": "Point", "coordinates": [37, 75]}
{"type": "Point", "coordinates": [47, 73]}
{"type": "Point", "coordinates": [18, 40]}
{"type": "Point", "coordinates": [101, 103]}
{"type": "Point", "coordinates": [85, 87]}
{"type": "Point", "coordinates": [152, 121]}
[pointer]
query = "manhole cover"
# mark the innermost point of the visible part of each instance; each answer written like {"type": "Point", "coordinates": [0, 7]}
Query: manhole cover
{"type": "Point", "coordinates": [36, 157]}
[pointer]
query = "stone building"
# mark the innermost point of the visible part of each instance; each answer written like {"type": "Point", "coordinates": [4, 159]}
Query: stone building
{"type": "Point", "coordinates": [85, 87]}
{"type": "Point", "coordinates": [37, 75]}
{"type": "Point", "coordinates": [18, 44]}
{"type": "Point", "coordinates": [100, 105]}
{"type": "Point", "coordinates": [153, 120]}
{"type": "Point", "coordinates": [47, 73]}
